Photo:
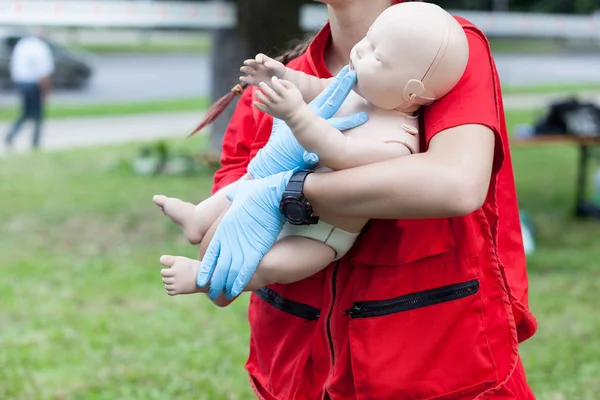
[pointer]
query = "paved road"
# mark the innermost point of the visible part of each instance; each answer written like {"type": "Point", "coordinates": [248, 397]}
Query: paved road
{"type": "Point", "coordinates": [519, 69]}
{"type": "Point", "coordinates": [137, 77]}
{"type": "Point", "coordinates": [85, 132]}
{"type": "Point", "coordinates": [152, 76]}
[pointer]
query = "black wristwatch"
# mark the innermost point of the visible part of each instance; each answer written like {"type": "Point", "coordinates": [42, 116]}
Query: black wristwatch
{"type": "Point", "coordinates": [294, 206]}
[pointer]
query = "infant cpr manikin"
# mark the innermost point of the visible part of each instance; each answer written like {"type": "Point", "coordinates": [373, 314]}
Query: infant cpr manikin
{"type": "Point", "coordinates": [413, 54]}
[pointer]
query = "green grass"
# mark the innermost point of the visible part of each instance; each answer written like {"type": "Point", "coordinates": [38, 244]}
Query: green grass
{"type": "Point", "coordinates": [552, 88]}
{"type": "Point", "coordinates": [200, 45]}
{"type": "Point", "coordinates": [111, 109]}
{"type": "Point", "coordinates": [83, 313]}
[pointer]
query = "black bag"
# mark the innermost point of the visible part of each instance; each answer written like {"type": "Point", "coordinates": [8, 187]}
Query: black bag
{"type": "Point", "coordinates": [570, 117]}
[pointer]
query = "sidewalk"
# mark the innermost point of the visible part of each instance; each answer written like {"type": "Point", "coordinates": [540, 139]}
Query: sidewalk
{"type": "Point", "coordinates": [82, 132]}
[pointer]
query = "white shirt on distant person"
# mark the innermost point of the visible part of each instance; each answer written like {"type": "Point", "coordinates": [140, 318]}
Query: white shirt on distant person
{"type": "Point", "coordinates": [31, 60]}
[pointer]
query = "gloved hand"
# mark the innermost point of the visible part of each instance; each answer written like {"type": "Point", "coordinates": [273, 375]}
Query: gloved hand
{"type": "Point", "coordinates": [246, 232]}
{"type": "Point", "coordinates": [283, 152]}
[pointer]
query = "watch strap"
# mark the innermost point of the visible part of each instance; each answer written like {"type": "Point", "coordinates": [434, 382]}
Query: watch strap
{"type": "Point", "coordinates": [296, 182]}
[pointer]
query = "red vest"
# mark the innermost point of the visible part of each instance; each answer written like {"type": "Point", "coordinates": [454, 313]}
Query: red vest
{"type": "Point", "coordinates": [418, 309]}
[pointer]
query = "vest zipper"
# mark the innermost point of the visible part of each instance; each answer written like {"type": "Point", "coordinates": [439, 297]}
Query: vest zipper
{"type": "Point", "coordinates": [289, 306]}
{"type": "Point", "coordinates": [378, 308]}
{"type": "Point", "coordinates": [328, 324]}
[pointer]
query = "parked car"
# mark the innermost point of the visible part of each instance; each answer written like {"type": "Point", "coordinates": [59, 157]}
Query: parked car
{"type": "Point", "coordinates": [70, 70]}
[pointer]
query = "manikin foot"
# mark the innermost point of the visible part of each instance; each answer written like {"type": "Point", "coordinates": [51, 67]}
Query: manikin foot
{"type": "Point", "coordinates": [182, 214]}
{"type": "Point", "coordinates": [180, 275]}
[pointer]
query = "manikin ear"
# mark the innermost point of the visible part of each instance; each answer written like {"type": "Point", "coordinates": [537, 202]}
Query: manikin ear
{"type": "Point", "coordinates": [414, 93]}
{"type": "Point", "coordinates": [413, 90]}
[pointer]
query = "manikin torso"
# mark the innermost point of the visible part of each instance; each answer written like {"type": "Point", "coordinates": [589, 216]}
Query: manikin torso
{"type": "Point", "coordinates": [383, 125]}
{"type": "Point", "coordinates": [413, 54]}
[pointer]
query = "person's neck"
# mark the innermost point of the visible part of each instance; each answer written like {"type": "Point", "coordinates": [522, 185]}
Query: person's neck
{"type": "Point", "coordinates": [349, 21]}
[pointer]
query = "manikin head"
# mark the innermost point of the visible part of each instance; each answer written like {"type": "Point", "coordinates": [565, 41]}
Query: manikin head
{"type": "Point", "coordinates": [414, 53]}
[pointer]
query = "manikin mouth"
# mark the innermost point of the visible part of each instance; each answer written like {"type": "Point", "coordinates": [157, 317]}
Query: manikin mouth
{"type": "Point", "coordinates": [350, 65]}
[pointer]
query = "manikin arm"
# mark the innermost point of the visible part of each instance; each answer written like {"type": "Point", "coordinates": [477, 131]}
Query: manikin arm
{"type": "Point", "coordinates": [264, 68]}
{"type": "Point", "coordinates": [335, 150]}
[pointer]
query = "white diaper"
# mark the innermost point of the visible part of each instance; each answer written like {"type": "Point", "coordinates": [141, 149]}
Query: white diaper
{"type": "Point", "coordinates": [339, 240]}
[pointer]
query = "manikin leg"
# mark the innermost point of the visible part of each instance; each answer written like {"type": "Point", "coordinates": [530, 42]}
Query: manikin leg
{"type": "Point", "coordinates": [195, 220]}
{"type": "Point", "coordinates": [291, 259]}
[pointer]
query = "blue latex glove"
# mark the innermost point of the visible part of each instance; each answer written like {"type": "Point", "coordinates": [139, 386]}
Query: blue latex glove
{"type": "Point", "coordinates": [283, 152]}
{"type": "Point", "coordinates": [246, 232]}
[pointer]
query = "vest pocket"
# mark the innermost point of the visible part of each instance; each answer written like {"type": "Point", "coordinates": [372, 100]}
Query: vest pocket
{"type": "Point", "coordinates": [380, 308]}
{"type": "Point", "coordinates": [422, 345]}
{"type": "Point", "coordinates": [299, 310]}
{"type": "Point", "coordinates": [283, 321]}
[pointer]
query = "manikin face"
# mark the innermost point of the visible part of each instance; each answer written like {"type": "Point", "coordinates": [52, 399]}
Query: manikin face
{"type": "Point", "coordinates": [379, 70]}
{"type": "Point", "coordinates": [412, 54]}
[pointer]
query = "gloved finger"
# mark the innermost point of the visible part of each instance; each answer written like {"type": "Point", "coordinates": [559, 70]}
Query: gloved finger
{"type": "Point", "coordinates": [335, 101]}
{"type": "Point", "coordinates": [250, 265]}
{"type": "Point", "coordinates": [318, 101]}
{"type": "Point", "coordinates": [250, 62]}
{"type": "Point", "coordinates": [237, 261]}
{"type": "Point", "coordinates": [209, 261]}
{"type": "Point", "coordinates": [349, 122]}
{"type": "Point", "coordinates": [310, 158]}
{"type": "Point", "coordinates": [231, 193]}
{"type": "Point", "coordinates": [278, 127]}
{"type": "Point", "coordinates": [219, 276]}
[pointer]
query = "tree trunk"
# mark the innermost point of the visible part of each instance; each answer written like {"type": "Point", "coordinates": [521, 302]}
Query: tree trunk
{"type": "Point", "coordinates": [264, 26]}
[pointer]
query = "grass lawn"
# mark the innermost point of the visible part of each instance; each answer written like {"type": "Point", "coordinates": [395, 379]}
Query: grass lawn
{"type": "Point", "coordinates": [572, 88]}
{"type": "Point", "coordinates": [202, 44]}
{"type": "Point", "coordinates": [83, 313]}
{"type": "Point", "coordinates": [106, 109]}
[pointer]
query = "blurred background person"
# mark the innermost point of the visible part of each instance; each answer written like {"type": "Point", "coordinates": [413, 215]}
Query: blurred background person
{"type": "Point", "coordinates": [31, 68]}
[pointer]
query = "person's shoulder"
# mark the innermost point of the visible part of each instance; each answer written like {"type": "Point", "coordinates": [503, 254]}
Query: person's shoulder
{"type": "Point", "coordinates": [472, 31]}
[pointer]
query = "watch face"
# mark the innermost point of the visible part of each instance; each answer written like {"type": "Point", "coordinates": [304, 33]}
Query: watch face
{"type": "Point", "coordinates": [293, 212]}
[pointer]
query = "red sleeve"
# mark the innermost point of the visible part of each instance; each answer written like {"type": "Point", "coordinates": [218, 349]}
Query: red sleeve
{"type": "Point", "coordinates": [235, 154]}
{"type": "Point", "coordinates": [474, 100]}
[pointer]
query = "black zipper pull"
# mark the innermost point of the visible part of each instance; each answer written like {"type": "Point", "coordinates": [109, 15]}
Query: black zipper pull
{"type": "Point", "coordinates": [353, 311]}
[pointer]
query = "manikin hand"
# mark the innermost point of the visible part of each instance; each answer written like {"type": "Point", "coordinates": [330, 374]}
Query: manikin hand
{"type": "Point", "coordinates": [283, 152]}
{"type": "Point", "coordinates": [261, 69]}
{"type": "Point", "coordinates": [281, 100]}
{"type": "Point", "coordinates": [248, 229]}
